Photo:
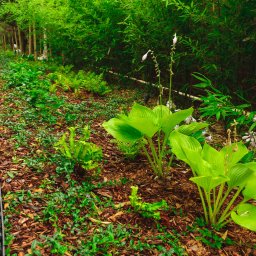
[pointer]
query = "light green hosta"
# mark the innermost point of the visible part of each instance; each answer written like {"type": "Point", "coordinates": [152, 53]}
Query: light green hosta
{"type": "Point", "coordinates": [221, 179]}
{"type": "Point", "coordinates": [80, 151]}
{"type": "Point", "coordinates": [144, 124]}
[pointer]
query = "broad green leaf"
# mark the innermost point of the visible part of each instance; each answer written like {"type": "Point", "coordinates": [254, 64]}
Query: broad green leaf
{"type": "Point", "coordinates": [199, 166]}
{"type": "Point", "coordinates": [239, 174]}
{"type": "Point", "coordinates": [233, 153]}
{"type": "Point", "coordinates": [143, 119]}
{"type": "Point", "coordinates": [162, 114]}
{"type": "Point", "coordinates": [180, 143]}
{"type": "Point", "coordinates": [170, 122]}
{"type": "Point", "coordinates": [191, 128]}
{"type": "Point", "coordinates": [120, 130]}
{"type": "Point", "coordinates": [249, 191]}
{"type": "Point", "coordinates": [209, 182]}
{"type": "Point", "coordinates": [245, 216]}
{"type": "Point", "coordinates": [214, 158]}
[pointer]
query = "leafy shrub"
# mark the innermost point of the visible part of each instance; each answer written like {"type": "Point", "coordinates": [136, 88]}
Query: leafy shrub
{"type": "Point", "coordinates": [21, 73]}
{"type": "Point", "coordinates": [145, 123]}
{"type": "Point", "coordinates": [79, 151]}
{"type": "Point", "coordinates": [217, 104]}
{"type": "Point", "coordinates": [220, 178]}
{"type": "Point", "coordinates": [69, 80]}
{"type": "Point", "coordinates": [148, 210]}
{"type": "Point", "coordinates": [129, 149]}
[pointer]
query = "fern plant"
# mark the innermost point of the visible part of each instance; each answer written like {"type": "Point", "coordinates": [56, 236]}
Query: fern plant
{"type": "Point", "coordinates": [148, 210]}
{"type": "Point", "coordinates": [80, 151]}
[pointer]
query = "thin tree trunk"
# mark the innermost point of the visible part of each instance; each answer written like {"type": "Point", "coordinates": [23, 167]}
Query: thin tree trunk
{"type": "Point", "coordinates": [34, 38]}
{"type": "Point", "coordinates": [45, 51]}
{"type": "Point", "coordinates": [16, 38]}
{"type": "Point", "coordinates": [29, 39]}
{"type": "Point", "coordinates": [20, 39]}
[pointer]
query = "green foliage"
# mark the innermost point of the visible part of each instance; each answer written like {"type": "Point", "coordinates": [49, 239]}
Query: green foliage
{"type": "Point", "coordinates": [71, 81]}
{"type": "Point", "coordinates": [145, 123]}
{"type": "Point", "coordinates": [220, 179]}
{"type": "Point", "coordinates": [129, 149]}
{"type": "Point", "coordinates": [148, 210]}
{"type": "Point", "coordinates": [80, 151]}
{"type": "Point", "coordinates": [21, 73]}
{"type": "Point", "coordinates": [217, 104]}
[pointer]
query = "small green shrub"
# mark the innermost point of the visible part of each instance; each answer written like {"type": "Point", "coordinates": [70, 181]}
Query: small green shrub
{"type": "Point", "coordinates": [148, 210]}
{"type": "Point", "coordinates": [221, 178]}
{"type": "Point", "coordinates": [69, 80]}
{"type": "Point", "coordinates": [129, 149]}
{"type": "Point", "coordinates": [79, 151]}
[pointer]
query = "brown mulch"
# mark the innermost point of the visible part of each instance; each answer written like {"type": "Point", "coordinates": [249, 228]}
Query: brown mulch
{"type": "Point", "coordinates": [180, 194]}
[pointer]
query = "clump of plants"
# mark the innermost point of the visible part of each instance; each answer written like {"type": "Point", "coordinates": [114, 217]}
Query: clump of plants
{"type": "Point", "coordinates": [221, 179]}
{"type": "Point", "coordinates": [69, 80]}
{"type": "Point", "coordinates": [84, 155]}
{"type": "Point", "coordinates": [153, 126]}
{"type": "Point", "coordinates": [148, 210]}
{"type": "Point", "coordinates": [216, 104]}
{"type": "Point", "coordinates": [129, 149]}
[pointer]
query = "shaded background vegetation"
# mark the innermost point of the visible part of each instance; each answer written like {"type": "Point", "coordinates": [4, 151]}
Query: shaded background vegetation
{"type": "Point", "coordinates": [216, 38]}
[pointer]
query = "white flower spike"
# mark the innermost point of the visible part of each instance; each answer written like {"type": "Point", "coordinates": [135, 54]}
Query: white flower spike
{"type": "Point", "coordinates": [175, 39]}
{"type": "Point", "coordinates": [144, 57]}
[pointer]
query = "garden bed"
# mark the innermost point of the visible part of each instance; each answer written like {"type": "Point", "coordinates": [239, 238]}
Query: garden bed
{"type": "Point", "coordinates": [50, 210]}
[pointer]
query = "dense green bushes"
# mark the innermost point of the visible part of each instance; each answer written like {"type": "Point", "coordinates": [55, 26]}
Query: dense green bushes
{"type": "Point", "coordinates": [217, 39]}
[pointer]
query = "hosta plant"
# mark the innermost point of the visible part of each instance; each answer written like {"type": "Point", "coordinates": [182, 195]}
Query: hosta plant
{"type": "Point", "coordinates": [153, 127]}
{"type": "Point", "coordinates": [225, 185]}
{"type": "Point", "coordinates": [80, 151]}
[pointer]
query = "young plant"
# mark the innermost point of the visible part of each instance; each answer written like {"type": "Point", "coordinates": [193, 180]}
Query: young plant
{"type": "Point", "coordinates": [80, 151]}
{"type": "Point", "coordinates": [220, 179]}
{"type": "Point", "coordinates": [148, 210]}
{"type": "Point", "coordinates": [216, 103]}
{"type": "Point", "coordinates": [129, 150]}
{"type": "Point", "coordinates": [154, 127]}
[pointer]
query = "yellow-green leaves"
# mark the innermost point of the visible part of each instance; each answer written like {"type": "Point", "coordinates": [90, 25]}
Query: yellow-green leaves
{"type": "Point", "coordinates": [245, 216]}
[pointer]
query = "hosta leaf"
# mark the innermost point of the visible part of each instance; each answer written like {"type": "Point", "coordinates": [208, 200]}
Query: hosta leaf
{"type": "Point", "coordinates": [250, 188]}
{"type": "Point", "coordinates": [209, 182]}
{"type": "Point", "coordinates": [234, 153]}
{"type": "Point", "coordinates": [239, 174]}
{"type": "Point", "coordinates": [143, 119]}
{"type": "Point", "coordinates": [180, 143]}
{"type": "Point", "coordinates": [214, 158]}
{"type": "Point", "coordinates": [191, 128]}
{"type": "Point", "coordinates": [172, 120]}
{"type": "Point", "coordinates": [120, 130]}
{"type": "Point", "coordinates": [245, 216]}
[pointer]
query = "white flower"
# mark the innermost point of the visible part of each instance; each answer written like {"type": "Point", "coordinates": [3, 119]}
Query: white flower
{"type": "Point", "coordinates": [250, 137]}
{"type": "Point", "coordinates": [175, 39]}
{"type": "Point", "coordinates": [254, 119]}
{"type": "Point", "coordinates": [190, 120]}
{"type": "Point", "coordinates": [170, 105]}
{"type": "Point", "coordinates": [144, 57]}
{"type": "Point", "coordinates": [15, 46]}
{"type": "Point", "coordinates": [208, 138]}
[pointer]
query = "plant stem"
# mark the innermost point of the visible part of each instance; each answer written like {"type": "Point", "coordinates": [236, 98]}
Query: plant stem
{"type": "Point", "coordinates": [204, 205]}
{"type": "Point", "coordinates": [153, 165]}
{"type": "Point", "coordinates": [225, 213]}
{"type": "Point", "coordinates": [171, 72]}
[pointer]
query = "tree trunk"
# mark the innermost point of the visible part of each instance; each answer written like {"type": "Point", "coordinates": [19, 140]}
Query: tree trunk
{"type": "Point", "coordinates": [29, 39]}
{"type": "Point", "coordinates": [16, 38]}
{"type": "Point", "coordinates": [20, 39]}
{"type": "Point", "coordinates": [34, 38]}
{"type": "Point", "coordinates": [45, 51]}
